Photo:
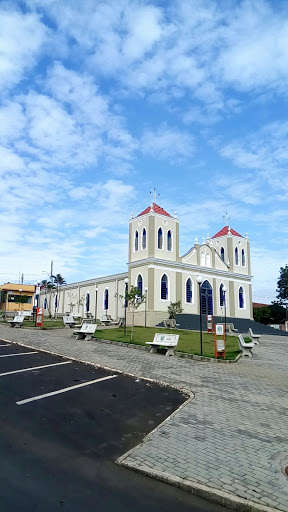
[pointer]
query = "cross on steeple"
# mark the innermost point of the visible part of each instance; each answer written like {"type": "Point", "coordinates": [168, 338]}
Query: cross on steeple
{"type": "Point", "coordinates": [154, 194]}
{"type": "Point", "coordinates": [226, 218]}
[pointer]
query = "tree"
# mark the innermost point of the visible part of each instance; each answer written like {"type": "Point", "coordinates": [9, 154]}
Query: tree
{"type": "Point", "coordinates": [282, 283]}
{"type": "Point", "coordinates": [262, 315]}
{"type": "Point", "coordinates": [174, 308]}
{"type": "Point", "coordinates": [48, 287]}
{"type": "Point", "coordinates": [133, 299]}
{"type": "Point", "coordinates": [59, 281]}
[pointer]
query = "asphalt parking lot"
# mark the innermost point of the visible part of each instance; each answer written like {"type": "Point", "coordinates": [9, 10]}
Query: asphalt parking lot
{"type": "Point", "coordinates": [63, 424]}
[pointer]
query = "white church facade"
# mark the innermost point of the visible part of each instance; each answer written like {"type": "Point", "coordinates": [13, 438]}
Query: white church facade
{"type": "Point", "coordinates": [157, 269]}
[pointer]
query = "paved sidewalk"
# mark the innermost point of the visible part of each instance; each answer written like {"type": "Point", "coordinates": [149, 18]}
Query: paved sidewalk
{"type": "Point", "coordinates": [231, 439]}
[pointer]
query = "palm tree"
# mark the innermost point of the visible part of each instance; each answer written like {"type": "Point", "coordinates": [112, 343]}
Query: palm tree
{"type": "Point", "coordinates": [59, 281]}
{"type": "Point", "coordinates": [48, 287]}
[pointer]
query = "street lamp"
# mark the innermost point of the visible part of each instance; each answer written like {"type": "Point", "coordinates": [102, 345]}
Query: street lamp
{"type": "Point", "coordinates": [224, 290]}
{"type": "Point", "coordinates": [96, 296]}
{"type": "Point", "coordinates": [146, 290]}
{"type": "Point", "coordinates": [200, 280]}
{"type": "Point", "coordinates": [126, 281]}
{"type": "Point", "coordinates": [20, 290]}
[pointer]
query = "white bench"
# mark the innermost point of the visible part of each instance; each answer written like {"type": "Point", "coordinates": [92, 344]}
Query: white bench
{"type": "Point", "coordinates": [170, 323]}
{"type": "Point", "coordinates": [105, 320]}
{"type": "Point", "coordinates": [254, 337]}
{"type": "Point", "coordinates": [17, 320]}
{"type": "Point", "coordinates": [69, 321]}
{"type": "Point", "coordinates": [86, 331]}
{"type": "Point", "coordinates": [245, 347]}
{"type": "Point", "coordinates": [168, 341]}
{"type": "Point", "coordinates": [231, 328]}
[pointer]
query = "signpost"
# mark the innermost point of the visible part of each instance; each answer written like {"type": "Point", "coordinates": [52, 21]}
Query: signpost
{"type": "Point", "coordinates": [39, 317]}
{"type": "Point", "coordinates": [209, 323]}
{"type": "Point", "coordinates": [219, 330]}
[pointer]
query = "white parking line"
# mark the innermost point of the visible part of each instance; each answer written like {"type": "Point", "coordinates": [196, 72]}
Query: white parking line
{"type": "Point", "coordinates": [4, 345]}
{"type": "Point", "coordinates": [39, 397]}
{"type": "Point", "coordinates": [20, 354]}
{"type": "Point", "coordinates": [34, 368]}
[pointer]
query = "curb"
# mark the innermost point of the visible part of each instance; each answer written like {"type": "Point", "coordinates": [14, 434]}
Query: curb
{"type": "Point", "coordinates": [209, 493]}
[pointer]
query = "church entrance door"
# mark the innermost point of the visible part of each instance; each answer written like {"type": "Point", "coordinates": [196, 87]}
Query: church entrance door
{"type": "Point", "coordinates": [206, 298]}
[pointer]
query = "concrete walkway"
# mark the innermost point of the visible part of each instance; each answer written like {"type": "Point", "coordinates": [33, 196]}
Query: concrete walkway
{"type": "Point", "coordinates": [229, 442]}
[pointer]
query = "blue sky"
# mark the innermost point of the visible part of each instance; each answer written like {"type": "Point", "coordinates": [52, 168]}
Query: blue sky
{"type": "Point", "coordinates": [101, 101]}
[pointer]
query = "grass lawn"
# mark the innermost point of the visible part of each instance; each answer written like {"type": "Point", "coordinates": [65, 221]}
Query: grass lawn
{"type": "Point", "coordinates": [48, 323]}
{"type": "Point", "coordinates": [189, 341]}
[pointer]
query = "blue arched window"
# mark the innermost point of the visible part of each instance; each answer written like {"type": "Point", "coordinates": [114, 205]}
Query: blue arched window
{"type": "Point", "coordinates": [136, 240]}
{"type": "Point", "coordinates": [189, 290]}
{"type": "Point", "coordinates": [169, 241]}
{"type": "Point", "coordinates": [236, 256]}
{"type": "Point", "coordinates": [164, 287]}
{"type": "Point", "coordinates": [160, 238]}
{"type": "Point", "coordinates": [222, 254]}
{"type": "Point", "coordinates": [221, 295]}
{"type": "Point", "coordinates": [243, 258]}
{"type": "Point", "coordinates": [45, 303]}
{"type": "Point", "coordinates": [87, 302]}
{"type": "Point", "coordinates": [241, 298]}
{"type": "Point", "coordinates": [106, 299]}
{"type": "Point", "coordinates": [140, 283]}
{"type": "Point", "coordinates": [144, 238]}
{"type": "Point", "coordinates": [206, 298]}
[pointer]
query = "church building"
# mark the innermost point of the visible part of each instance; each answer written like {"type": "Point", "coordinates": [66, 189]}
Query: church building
{"type": "Point", "coordinates": [216, 271]}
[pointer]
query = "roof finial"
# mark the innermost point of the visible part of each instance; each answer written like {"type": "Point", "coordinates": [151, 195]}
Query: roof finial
{"type": "Point", "coordinates": [226, 218]}
{"type": "Point", "coordinates": [154, 194]}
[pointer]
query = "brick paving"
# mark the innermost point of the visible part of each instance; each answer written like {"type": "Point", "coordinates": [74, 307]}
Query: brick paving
{"type": "Point", "coordinates": [230, 438]}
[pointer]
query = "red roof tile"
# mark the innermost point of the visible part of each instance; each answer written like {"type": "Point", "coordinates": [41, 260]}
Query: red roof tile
{"type": "Point", "coordinates": [224, 232]}
{"type": "Point", "coordinates": [156, 209]}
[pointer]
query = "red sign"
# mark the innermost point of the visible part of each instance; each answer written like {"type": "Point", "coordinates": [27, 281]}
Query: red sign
{"type": "Point", "coordinates": [219, 330]}
{"type": "Point", "coordinates": [39, 317]}
{"type": "Point", "coordinates": [209, 323]}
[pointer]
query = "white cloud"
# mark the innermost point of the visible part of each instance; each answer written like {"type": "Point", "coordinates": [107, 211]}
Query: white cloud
{"type": "Point", "coordinates": [21, 39]}
{"type": "Point", "coordinates": [167, 143]}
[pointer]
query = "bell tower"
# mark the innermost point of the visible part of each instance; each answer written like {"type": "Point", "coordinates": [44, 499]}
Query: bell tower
{"type": "Point", "coordinates": [154, 233]}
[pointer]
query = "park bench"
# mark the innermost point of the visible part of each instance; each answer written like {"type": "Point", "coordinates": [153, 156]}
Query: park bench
{"type": "Point", "coordinates": [105, 320]}
{"type": "Point", "coordinates": [170, 323]}
{"type": "Point", "coordinates": [245, 347]}
{"type": "Point", "coordinates": [254, 337]}
{"type": "Point", "coordinates": [168, 341]}
{"type": "Point", "coordinates": [231, 328]}
{"type": "Point", "coordinates": [69, 321]}
{"type": "Point", "coordinates": [17, 320]}
{"type": "Point", "coordinates": [86, 331]}
{"type": "Point", "coordinates": [83, 321]}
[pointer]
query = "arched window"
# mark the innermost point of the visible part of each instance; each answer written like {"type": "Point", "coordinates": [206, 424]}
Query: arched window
{"type": "Point", "coordinates": [144, 238]}
{"type": "Point", "coordinates": [236, 256]}
{"type": "Point", "coordinates": [169, 241]}
{"type": "Point", "coordinates": [164, 287]}
{"type": "Point", "coordinates": [189, 290]}
{"type": "Point", "coordinates": [241, 298]}
{"type": "Point", "coordinates": [45, 303]}
{"type": "Point", "coordinates": [221, 295]}
{"type": "Point", "coordinates": [136, 240]}
{"type": "Point", "coordinates": [206, 298]}
{"type": "Point", "coordinates": [140, 283]}
{"type": "Point", "coordinates": [87, 302]}
{"type": "Point", "coordinates": [222, 254]}
{"type": "Point", "coordinates": [160, 238]}
{"type": "Point", "coordinates": [243, 258]}
{"type": "Point", "coordinates": [106, 299]}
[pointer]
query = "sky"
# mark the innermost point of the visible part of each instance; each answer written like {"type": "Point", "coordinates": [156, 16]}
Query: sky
{"type": "Point", "coordinates": [103, 101]}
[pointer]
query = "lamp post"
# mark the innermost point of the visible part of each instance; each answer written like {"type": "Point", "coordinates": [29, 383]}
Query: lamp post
{"type": "Point", "coordinates": [224, 289]}
{"type": "Point", "coordinates": [146, 290]}
{"type": "Point", "coordinates": [20, 290]}
{"type": "Point", "coordinates": [200, 280]}
{"type": "Point", "coordinates": [126, 281]}
{"type": "Point", "coordinates": [96, 296]}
